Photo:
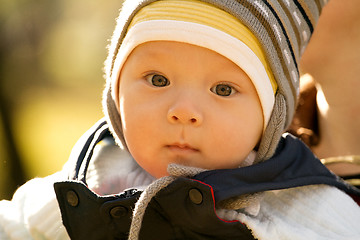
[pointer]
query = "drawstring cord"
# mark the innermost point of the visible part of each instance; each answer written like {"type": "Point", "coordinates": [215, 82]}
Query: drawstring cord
{"type": "Point", "coordinates": [143, 202]}
{"type": "Point", "coordinates": [175, 171]}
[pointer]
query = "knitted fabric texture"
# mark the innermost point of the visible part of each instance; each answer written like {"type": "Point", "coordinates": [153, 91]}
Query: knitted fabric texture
{"type": "Point", "coordinates": [283, 29]}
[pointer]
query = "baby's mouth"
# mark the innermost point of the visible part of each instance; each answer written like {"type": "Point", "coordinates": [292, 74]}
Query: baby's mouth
{"type": "Point", "coordinates": [182, 148]}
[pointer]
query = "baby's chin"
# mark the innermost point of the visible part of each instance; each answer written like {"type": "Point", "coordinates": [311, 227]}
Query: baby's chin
{"type": "Point", "coordinates": [158, 172]}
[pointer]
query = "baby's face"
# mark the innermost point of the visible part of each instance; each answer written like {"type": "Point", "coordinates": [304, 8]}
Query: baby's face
{"type": "Point", "coordinates": [185, 104]}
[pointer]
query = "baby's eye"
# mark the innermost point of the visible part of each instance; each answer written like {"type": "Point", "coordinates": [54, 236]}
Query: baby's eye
{"type": "Point", "coordinates": [157, 80]}
{"type": "Point", "coordinates": [223, 90]}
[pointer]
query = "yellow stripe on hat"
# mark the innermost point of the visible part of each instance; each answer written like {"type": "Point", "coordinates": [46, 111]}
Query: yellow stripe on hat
{"type": "Point", "coordinates": [203, 13]}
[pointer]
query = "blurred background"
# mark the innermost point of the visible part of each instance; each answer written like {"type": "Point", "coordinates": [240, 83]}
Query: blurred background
{"type": "Point", "coordinates": [51, 81]}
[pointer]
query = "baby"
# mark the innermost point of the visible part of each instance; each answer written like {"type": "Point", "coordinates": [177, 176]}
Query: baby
{"type": "Point", "coordinates": [198, 96]}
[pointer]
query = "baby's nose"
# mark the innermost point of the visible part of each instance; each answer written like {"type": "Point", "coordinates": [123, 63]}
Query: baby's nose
{"type": "Point", "coordinates": [174, 118]}
{"type": "Point", "coordinates": [185, 112]}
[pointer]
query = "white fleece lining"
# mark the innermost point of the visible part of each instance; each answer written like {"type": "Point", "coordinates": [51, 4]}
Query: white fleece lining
{"type": "Point", "coordinates": [203, 36]}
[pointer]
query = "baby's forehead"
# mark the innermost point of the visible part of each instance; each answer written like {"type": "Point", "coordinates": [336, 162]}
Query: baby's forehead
{"type": "Point", "coordinates": [155, 50]}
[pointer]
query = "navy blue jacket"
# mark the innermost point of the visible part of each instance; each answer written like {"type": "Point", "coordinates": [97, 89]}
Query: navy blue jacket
{"type": "Point", "coordinates": [186, 208]}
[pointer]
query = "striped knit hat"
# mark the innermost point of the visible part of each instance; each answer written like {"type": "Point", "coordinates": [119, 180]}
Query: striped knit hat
{"type": "Point", "coordinates": [266, 38]}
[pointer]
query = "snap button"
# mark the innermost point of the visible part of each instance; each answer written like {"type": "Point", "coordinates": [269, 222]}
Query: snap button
{"type": "Point", "coordinates": [72, 198]}
{"type": "Point", "coordinates": [195, 196]}
{"type": "Point", "coordinates": [118, 211]}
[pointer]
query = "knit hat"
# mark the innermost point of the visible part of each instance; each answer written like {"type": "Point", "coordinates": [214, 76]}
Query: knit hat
{"type": "Point", "coordinates": [264, 38]}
